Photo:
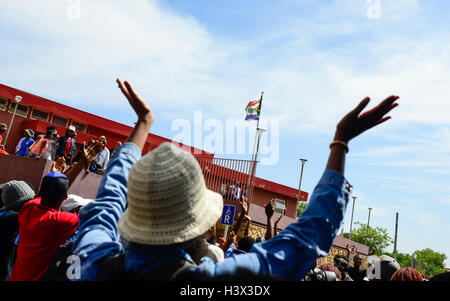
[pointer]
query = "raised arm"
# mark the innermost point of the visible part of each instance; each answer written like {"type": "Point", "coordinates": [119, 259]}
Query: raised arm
{"type": "Point", "coordinates": [145, 115]}
{"type": "Point", "coordinates": [247, 226]}
{"type": "Point", "coordinates": [301, 243]}
{"type": "Point", "coordinates": [269, 209]}
{"type": "Point", "coordinates": [275, 225]}
{"type": "Point", "coordinates": [232, 236]}
{"type": "Point", "coordinates": [354, 124]}
{"type": "Point", "coordinates": [98, 236]}
{"type": "Point", "coordinates": [87, 155]}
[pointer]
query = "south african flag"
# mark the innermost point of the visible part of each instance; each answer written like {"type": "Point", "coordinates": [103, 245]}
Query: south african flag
{"type": "Point", "coordinates": [253, 110]}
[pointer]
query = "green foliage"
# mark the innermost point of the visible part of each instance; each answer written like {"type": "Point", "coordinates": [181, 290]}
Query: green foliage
{"type": "Point", "coordinates": [301, 208]}
{"type": "Point", "coordinates": [425, 261]}
{"type": "Point", "coordinates": [432, 262]}
{"type": "Point", "coordinates": [377, 237]}
{"type": "Point", "coordinates": [403, 259]}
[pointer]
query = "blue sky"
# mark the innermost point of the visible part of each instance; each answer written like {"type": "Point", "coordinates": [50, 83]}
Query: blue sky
{"type": "Point", "coordinates": [314, 60]}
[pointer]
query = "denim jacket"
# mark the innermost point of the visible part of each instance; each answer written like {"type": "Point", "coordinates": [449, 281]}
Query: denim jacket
{"type": "Point", "coordinates": [289, 255]}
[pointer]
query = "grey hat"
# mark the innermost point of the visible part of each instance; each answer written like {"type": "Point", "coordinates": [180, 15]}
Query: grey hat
{"type": "Point", "coordinates": [16, 193]}
{"type": "Point", "coordinates": [386, 267]}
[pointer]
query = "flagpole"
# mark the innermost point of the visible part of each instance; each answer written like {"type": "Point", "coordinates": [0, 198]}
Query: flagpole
{"type": "Point", "coordinates": [255, 144]}
{"type": "Point", "coordinates": [257, 126]}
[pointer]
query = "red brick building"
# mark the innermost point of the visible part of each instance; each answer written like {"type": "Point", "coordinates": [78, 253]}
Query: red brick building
{"type": "Point", "coordinates": [36, 113]}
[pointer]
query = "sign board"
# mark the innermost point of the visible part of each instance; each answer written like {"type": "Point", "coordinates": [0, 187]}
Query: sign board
{"type": "Point", "coordinates": [228, 215]}
{"type": "Point", "coordinates": [353, 249]}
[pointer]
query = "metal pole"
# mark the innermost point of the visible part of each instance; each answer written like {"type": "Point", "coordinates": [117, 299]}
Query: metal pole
{"type": "Point", "coordinates": [395, 240]}
{"type": "Point", "coordinates": [351, 221]}
{"type": "Point", "coordinates": [300, 186]}
{"type": "Point", "coordinates": [368, 220]}
{"type": "Point", "coordinates": [260, 132]}
{"type": "Point", "coordinates": [18, 99]}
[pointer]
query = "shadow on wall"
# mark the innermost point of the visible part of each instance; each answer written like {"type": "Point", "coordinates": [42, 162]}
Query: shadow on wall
{"type": "Point", "coordinates": [33, 170]}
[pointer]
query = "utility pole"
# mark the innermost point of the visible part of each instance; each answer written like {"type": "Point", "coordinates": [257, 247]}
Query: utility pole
{"type": "Point", "coordinates": [395, 240]}
{"type": "Point", "coordinates": [351, 221]}
{"type": "Point", "coordinates": [368, 220]}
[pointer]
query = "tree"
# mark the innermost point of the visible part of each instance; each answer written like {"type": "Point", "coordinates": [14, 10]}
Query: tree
{"type": "Point", "coordinates": [377, 237]}
{"type": "Point", "coordinates": [425, 261]}
{"type": "Point", "coordinates": [432, 262]}
{"type": "Point", "coordinates": [403, 259]}
{"type": "Point", "coordinates": [301, 208]}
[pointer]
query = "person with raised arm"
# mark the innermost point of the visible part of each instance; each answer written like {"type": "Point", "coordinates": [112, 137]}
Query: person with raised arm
{"type": "Point", "coordinates": [160, 206]}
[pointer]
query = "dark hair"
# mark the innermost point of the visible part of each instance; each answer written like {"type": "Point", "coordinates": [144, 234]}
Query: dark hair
{"type": "Point", "coordinates": [197, 247]}
{"type": "Point", "coordinates": [49, 134]}
{"type": "Point", "coordinates": [53, 190]}
{"type": "Point", "coordinates": [407, 274]}
{"type": "Point", "coordinates": [245, 243]}
{"type": "Point", "coordinates": [441, 277]}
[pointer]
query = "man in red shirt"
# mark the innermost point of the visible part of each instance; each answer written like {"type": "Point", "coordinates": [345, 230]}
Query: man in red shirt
{"type": "Point", "coordinates": [42, 228]}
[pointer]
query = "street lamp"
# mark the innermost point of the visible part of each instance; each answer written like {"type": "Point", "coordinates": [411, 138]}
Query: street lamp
{"type": "Point", "coordinates": [18, 99]}
{"type": "Point", "coordinates": [300, 186]}
{"type": "Point", "coordinates": [351, 220]}
{"type": "Point", "coordinates": [368, 220]}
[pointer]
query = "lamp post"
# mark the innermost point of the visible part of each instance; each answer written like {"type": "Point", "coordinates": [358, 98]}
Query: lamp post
{"type": "Point", "coordinates": [18, 99]}
{"type": "Point", "coordinates": [351, 220]}
{"type": "Point", "coordinates": [368, 220]}
{"type": "Point", "coordinates": [300, 186]}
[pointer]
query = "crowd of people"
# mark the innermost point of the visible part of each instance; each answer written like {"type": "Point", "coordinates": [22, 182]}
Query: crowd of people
{"type": "Point", "coordinates": [51, 146]}
{"type": "Point", "coordinates": [154, 219]}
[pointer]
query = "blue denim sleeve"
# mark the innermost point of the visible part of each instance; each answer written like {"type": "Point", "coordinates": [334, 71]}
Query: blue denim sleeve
{"type": "Point", "coordinates": [98, 236]}
{"type": "Point", "coordinates": [294, 251]}
{"type": "Point", "coordinates": [229, 251]}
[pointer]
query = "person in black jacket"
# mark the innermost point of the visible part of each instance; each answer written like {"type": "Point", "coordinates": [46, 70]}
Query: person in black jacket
{"type": "Point", "coordinates": [14, 195]}
{"type": "Point", "coordinates": [68, 140]}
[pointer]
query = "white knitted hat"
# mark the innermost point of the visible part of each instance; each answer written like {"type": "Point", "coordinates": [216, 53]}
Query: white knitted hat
{"type": "Point", "coordinates": [168, 201]}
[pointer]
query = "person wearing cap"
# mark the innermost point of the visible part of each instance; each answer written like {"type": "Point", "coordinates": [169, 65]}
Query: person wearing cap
{"type": "Point", "coordinates": [39, 148]}
{"type": "Point", "coordinates": [67, 145]}
{"type": "Point", "coordinates": [149, 209]}
{"type": "Point", "coordinates": [42, 228]}
{"type": "Point", "coordinates": [25, 143]}
{"type": "Point", "coordinates": [383, 268]}
{"type": "Point", "coordinates": [14, 195]}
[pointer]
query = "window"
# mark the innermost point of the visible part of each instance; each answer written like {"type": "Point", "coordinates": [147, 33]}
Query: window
{"type": "Point", "coordinates": [40, 115]}
{"type": "Point", "coordinates": [79, 126]}
{"type": "Point", "coordinates": [280, 206]}
{"type": "Point", "coordinates": [22, 110]}
{"type": "Point", "coordinates": [59, 121]}
{"type": "Point", "coordinates": [3, 103]}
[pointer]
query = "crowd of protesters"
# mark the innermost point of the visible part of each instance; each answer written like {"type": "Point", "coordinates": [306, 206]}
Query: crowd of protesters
{"type": "Point", "coordinates": [154, 219]}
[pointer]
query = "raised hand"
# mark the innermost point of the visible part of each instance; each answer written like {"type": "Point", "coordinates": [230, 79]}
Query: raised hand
{"type": "Point", "coordinates": [278, 219]}
{"type": "Point", "coordinates": [244, 206]}
{"type": "Point", "coordinates": [138, 135]}
{"type": "Point", "coordinates": [138, 104]}
{"type": "Point", "coordinates": [91, 151]}
{"type": "Point", "coordinates": [270, 208]}
{"type": "Point", "coordinates": [59, 165]}
{"type": "Point", "coordinates": [355, 123]}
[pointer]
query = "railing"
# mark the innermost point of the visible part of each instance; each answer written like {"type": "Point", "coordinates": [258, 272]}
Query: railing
{"type": "Point", "coordinates": [229, 177]}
